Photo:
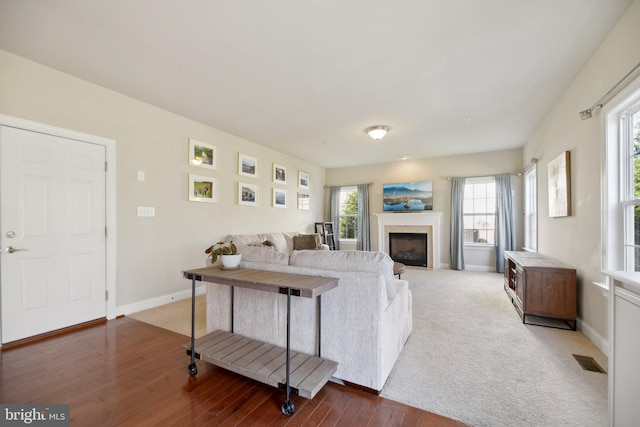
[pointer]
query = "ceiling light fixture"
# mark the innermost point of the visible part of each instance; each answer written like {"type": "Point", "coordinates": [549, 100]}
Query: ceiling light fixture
{"type": "Point", "coordinates": [377, 132]}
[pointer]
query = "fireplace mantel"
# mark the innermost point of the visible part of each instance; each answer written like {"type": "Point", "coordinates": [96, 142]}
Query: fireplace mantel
{"type": "Point", "coordinates": [418, 222]}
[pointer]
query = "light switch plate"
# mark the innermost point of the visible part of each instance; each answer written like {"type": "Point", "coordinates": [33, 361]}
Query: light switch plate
{"type": "Point", "coordinates": [146, 211]}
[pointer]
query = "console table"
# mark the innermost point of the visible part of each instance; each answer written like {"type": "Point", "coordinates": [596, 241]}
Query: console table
{"type": "Point", "coordinates": [540, 286]}
{"type": "Point", "coordinates": [293, 372]}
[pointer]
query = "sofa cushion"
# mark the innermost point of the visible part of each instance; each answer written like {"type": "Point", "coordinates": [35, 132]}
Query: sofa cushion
{"type": "Point", "coordinates": [262, 254]}
{"type": "Point", "coordinates": [306, 241]}
{"type": "Point", "coordinates": [374, 262]}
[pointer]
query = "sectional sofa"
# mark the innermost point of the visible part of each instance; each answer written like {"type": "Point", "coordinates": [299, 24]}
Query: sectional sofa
{"type": "Point", "coordinates": [365, 320]}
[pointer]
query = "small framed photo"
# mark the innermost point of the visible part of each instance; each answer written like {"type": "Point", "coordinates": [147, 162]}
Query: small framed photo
{"type": "Point", "coordinates": [279, 174]}
{"type": "Point", "coordinates": [303, 201]}
{"type": "Point", "coordinates": [247, 166]}
{"type": "Point", "coordinates": [202, 189]}
{"type": "Point", "coordinates": [202, 154]}
{"type": "Point", "coordinates": [247, 194]}
{"type": "Point", "coordinates": [279, 198]}
{"type": "Point", "coordinates": [303, 179]}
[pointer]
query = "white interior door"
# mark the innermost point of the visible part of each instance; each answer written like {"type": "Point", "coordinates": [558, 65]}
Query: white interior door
{"type": "Point", "coordinates": [52, 232]}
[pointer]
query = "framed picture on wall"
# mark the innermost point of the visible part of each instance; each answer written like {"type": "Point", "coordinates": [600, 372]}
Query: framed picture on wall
{"type": "Point", "coordinates": [303, 201]}
{"type": "Point", "coordinates": [279, 198]}
{"type": "Point", "coordinates": [247, 166]}
{"type": "Point", "coordinates": [202, 189]}
{"type": "Point", "coordinates": [247, 194]}
{"type": "Point", "coordinates": [303, 179]}
{"type": "Point", "coordinates": [202, 154]}
{"type": "Point", "coordinates": [559, 179]}
{"type": "Point", "coordinates": [279, 174]}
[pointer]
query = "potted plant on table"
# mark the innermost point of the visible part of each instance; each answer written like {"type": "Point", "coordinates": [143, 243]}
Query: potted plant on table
{"type": "Point", "coordinates": [228, 253]}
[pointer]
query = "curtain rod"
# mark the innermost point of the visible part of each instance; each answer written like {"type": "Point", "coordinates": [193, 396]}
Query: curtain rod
{"type": "Point", "coordinates": [586, 114]}
{"type": "Point", "coordinates": [516, 173]}
{"type": "Point", "coordinates": [348, 185]}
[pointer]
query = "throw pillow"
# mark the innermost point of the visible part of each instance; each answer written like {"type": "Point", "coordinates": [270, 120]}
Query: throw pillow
{"type": "Point", "coordinates": [306, 241]}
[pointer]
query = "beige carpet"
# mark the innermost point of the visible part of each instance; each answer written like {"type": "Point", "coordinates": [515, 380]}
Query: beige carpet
{"type": "Point", "coordinates": [469, 357]}
{"type": "Point", "coordinates": [176, 316]}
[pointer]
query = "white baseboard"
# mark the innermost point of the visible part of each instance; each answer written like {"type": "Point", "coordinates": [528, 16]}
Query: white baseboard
{"type": "Point", "coordinates": [597, 339]}
{"type": "Point", "coordinates": [158, 301]}
{"type": "Point", "coordinates": [480, 268]}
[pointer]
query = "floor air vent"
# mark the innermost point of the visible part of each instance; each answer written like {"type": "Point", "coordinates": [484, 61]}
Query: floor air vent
{"type": "Point", "coordinates": [589, 364]}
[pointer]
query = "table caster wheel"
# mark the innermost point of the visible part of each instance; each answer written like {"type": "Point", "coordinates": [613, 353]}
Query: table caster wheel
{"type": "Point", "coordinates": [192, 369]}
{"type": "Point", "coordinates": [288, 408]}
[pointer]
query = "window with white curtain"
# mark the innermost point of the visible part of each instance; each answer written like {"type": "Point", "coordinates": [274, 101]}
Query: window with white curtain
{"type": "Point", "coordinates": [530, 208]}
{"type": "Point", "coordinates": [479, 210]}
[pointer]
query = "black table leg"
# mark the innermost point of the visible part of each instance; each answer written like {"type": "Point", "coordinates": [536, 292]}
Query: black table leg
{"type": "Point", "coordinates": [193, 368]}
{"type": "Point", "coordinates": [287, 406]}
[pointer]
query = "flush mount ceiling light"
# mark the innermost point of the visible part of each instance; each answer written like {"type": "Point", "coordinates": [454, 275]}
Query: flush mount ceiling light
{"type": "Point", "coordinates": [377, 132]}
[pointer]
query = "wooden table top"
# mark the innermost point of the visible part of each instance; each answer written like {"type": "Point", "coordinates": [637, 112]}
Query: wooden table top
{"type": "Point", "coordinates": [269, 281]}
{"type": "Point", "coordinates": [536, 260]}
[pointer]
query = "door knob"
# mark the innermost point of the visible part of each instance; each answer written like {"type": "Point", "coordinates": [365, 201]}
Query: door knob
{"type": "Point", "coordinates": [11, 249]}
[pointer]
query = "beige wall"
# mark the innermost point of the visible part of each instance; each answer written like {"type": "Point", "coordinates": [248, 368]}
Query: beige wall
{"type": "Point", "coordinates": [437, 170]}
{"type": "Point", "coordinates": [576, 239]}
{"type": "Point", "coordinates": [151, 252]}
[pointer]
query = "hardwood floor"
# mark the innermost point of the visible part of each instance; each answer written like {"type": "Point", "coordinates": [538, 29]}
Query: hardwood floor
{"type": "Point", "coordinates": [129, 373]}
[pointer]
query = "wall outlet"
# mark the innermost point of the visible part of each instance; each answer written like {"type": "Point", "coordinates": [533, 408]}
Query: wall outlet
{"type": "Point", "coordinates": [146, 211]}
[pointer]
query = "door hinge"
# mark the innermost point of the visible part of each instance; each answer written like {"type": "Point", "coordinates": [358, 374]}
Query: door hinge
{"type": "Point", "coordinates": [106, 231]}
{"type": "Point", "coordinates": [106, 166]}
{"type": "Point", "coordinates": [106, 295]}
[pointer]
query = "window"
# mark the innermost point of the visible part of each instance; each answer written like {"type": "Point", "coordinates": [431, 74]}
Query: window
{"type": "Point", "coordinates": [479, 210]}
{"type": "Point", "coordinates": [630, 203]}
{"type": "Point", "coordinates": [349, 213]}
{"type": "Point", "coordinates": [530, 208]}
{"type": "Point", "coordinates": [621, 220]}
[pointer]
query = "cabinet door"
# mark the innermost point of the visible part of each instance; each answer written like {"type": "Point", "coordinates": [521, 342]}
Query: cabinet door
{"type": "Point", "coordinates": [551, 293]}
{"type": "Point", "coordinates": [520, 284]}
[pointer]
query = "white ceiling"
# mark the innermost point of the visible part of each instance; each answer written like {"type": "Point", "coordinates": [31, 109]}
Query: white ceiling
{"type": "Point", "coordinates": [307, 77]}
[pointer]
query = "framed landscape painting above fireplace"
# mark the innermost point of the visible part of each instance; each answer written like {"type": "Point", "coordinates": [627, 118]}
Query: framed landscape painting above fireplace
{"type": "Point", "coordinates": [408, 196]}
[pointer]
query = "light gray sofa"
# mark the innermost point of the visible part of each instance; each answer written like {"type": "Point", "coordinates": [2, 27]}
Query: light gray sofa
{"type": "Point", "coordinates": [365, 320]}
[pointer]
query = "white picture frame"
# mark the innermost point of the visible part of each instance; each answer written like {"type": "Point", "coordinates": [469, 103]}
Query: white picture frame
{"type": "Point", "coordinates": [202, 155]}
{"type": "Point", "coordinates": [247, 194]}
{"type": "Point", "coordinates": [202, 189]}
{"type": "Point", "coordinates": [279, 174]}
{"type": "Point", "coordinates": [303, 179]}
{"type": "Point", "coordinates": [247, 165]}
{"type": "Point", "coordinates": [303, 201]}
{"type": "Point", "coordinates": [279, 198]}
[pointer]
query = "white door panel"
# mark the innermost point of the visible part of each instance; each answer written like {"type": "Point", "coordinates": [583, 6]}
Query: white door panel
{"type": "Point", "coordinates": [53, 203]}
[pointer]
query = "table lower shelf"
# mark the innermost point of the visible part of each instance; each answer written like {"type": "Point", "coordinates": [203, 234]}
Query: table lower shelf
{"type": "Point", "coordinates": [263, 362]}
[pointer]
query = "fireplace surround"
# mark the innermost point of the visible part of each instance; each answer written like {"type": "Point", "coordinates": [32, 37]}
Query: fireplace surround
{"type": "Point", "coordinates": [418, 222]}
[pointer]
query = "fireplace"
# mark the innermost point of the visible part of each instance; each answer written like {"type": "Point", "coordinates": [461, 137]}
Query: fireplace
{"type": "Point", "coordinates": [408, 248]}
{"type": "Point", "coordinates": [427, 223]}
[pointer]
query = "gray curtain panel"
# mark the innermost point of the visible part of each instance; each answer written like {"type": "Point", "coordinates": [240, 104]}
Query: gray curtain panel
{"type": "Point", "coordinates": [456, 255]}
{"type": "Point", "coordinates": [505, 224]}
{"type": "Point", "coordinates": [334, 213]}
{"type": "Point", "coordinates": [364, 228]}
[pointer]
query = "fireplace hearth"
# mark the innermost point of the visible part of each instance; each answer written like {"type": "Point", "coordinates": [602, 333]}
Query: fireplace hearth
{"type": "Point", "coordinates": [409, 248]}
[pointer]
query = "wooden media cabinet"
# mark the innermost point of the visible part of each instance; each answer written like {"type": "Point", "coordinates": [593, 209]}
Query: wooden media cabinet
{"type": "Point", "coordinates": [541, 286]}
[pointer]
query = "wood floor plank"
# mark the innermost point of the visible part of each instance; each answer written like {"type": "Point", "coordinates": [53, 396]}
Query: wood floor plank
{"type": "Point", "coordinates": [128, 373]}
